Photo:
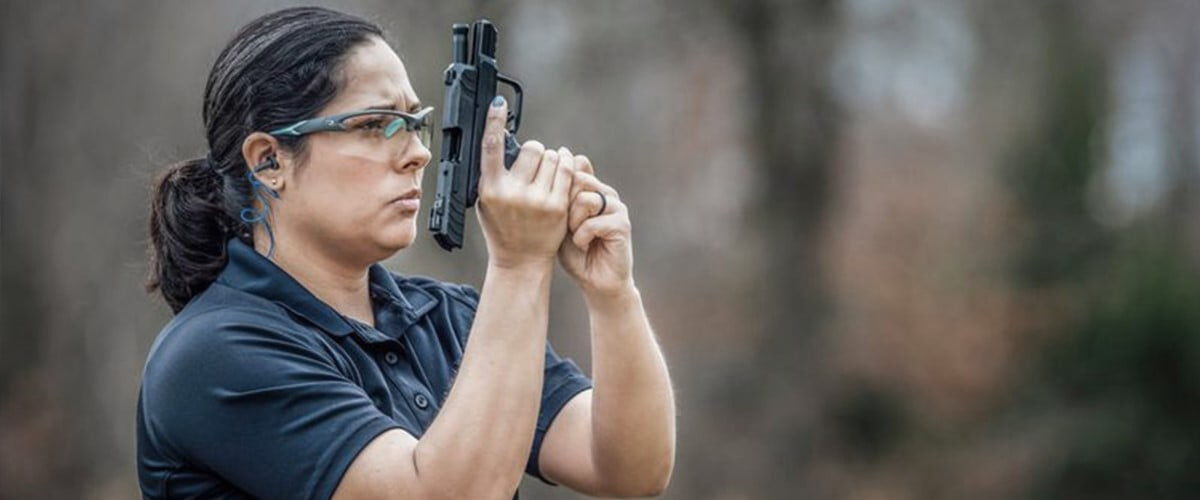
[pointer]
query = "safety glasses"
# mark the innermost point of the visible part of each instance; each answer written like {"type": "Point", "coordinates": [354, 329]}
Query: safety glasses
{"type": "Point", "coordinates": [377, 123]}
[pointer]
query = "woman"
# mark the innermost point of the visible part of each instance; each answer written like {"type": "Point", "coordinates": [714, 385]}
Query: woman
{"type": "Point", "coordinates": [297, 367]}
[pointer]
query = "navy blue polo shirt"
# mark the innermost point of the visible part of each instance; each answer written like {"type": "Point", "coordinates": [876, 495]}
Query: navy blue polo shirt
{"type": "Point", "coordinates": [258, 389]}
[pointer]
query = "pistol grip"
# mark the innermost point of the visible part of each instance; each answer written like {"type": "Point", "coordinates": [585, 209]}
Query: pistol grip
{"type": "Point", "coordinates": [511, 150]}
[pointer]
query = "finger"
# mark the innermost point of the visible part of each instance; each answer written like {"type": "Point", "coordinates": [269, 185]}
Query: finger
{"type": "Point", "coordinates": [588, 182]}
{"type": "Point", "coordinates": [602, 227]}
{"type": "Point", "coordinates": [584, 207]}
{"type": "Point", "coordinates": [492, 159]}
{"type": "Point", "coordinates": [553, 158]}
{"type": "Point", "coordinates": [526, 166]}
{"type": "Point", "coordinates": [548, 166]}
{"type": "Point", "coordinates": [563, 180]}
{"type": "Point", "coordinates": [566, 161]}
{"type": "Point", "coordinates": [584, 164]}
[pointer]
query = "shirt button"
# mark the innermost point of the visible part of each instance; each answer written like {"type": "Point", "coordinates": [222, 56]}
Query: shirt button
{"type": "Point", "coordinates": [422, 401]}
{"type": "Point", "coordinates": [391, 358]}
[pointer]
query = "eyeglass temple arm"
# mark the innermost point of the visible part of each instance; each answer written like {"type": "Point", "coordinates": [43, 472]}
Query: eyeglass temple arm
{"type": "Point", "coordinates": [309, 126]}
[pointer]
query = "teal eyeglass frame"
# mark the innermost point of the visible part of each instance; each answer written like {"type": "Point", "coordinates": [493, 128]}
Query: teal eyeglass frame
{"type": "Point", "coordinates": [412, 122]}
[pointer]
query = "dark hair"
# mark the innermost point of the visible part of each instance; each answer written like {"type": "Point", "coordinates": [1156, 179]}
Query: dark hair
{"type": "Point", "coordinates": [280, 68]}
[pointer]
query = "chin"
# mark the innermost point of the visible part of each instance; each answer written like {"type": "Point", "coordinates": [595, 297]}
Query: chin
{"type": "Point", "coordinates": [382, 241]}
{"type": "Point", "coordinates": [398, 238]}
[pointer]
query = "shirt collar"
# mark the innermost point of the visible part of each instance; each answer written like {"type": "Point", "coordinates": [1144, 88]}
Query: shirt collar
{"type": "Point", "coordinates": [412, 300]}
{"type": "Point", "coordinates": [249, 271]}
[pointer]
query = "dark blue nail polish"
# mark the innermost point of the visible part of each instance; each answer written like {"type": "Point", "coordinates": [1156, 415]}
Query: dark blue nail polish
{"type": "Point", "coordinates": [498, 101]}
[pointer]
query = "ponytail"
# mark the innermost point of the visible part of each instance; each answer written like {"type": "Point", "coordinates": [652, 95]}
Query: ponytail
{"type": "Point", "coordinates": [189, 227]}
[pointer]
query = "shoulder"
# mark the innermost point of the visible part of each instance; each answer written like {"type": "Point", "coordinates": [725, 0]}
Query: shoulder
{"type": "Point", "coordinates": [221, 314]}
{"type": "Point", "coordinates": [222, 332]}
{"type": "Point", "coordinates": [216, 351]}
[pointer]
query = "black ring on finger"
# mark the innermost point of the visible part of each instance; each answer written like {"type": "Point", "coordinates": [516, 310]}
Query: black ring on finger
{"type": "Point", "coordinates": [603, 203]}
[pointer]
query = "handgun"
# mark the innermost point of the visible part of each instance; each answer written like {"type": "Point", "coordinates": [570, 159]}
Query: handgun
{"type": "Point", "coordinates": [471, 81]}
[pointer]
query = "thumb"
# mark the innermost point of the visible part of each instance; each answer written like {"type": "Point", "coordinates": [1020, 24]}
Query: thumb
{"type": "Point", "coordinates": [492, 160]}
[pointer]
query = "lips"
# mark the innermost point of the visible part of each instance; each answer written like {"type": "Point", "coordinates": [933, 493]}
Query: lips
{"type": "Point", "coordinates": [409, 201]}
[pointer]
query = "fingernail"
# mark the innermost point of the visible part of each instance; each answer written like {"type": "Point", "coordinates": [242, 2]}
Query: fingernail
{"type": "Point", "coordinates": [498, 101]}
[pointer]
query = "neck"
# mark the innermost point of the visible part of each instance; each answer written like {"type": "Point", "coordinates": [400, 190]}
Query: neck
{"type": "Point", "coordinates": [342, 285]}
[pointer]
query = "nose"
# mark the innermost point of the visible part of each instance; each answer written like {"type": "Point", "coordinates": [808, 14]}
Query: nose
{"type": "Point", "coordinates": [414, 157]}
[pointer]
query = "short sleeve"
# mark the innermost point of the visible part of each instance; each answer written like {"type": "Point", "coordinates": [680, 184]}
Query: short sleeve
{"type": "Point", "coordinates": [561, 381]}
{"type": "Point", "coordinates": [265, 408]}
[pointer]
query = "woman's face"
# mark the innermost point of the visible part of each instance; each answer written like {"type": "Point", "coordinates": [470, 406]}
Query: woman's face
{"type": "Point", "coordinates": [344, 198]}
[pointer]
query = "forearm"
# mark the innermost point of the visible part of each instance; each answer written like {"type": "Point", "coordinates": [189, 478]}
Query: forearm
{"type": "Point", "coordinates": [633, 407]}
{"type": "Point", "coordinates": [480, 440]}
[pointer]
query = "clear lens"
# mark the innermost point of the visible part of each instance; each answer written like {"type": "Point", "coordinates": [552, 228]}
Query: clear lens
{"type": "Point", "coordinates": [424, 130]}
{"type": "Point", "coordinates": [393, 128]}
{"type": "Point", "coordinates": [375, 124]}
{"type": "Point", "coordinates": [426, 134]}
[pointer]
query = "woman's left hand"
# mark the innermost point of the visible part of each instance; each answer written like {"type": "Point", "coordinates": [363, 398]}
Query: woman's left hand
{"type": "Point", "coordinates": [597, 252]}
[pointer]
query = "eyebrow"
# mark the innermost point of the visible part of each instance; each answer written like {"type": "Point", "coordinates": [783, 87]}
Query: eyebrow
{"type": "Point", "coordinates": [414, 106]}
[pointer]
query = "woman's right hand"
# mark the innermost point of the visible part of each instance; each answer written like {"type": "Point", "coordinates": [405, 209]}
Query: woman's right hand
{"type": "Point", "coordinates": [523, 210]}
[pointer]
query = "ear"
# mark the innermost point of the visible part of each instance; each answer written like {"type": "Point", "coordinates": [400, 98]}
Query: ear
{"type": "Point", "coordinates": [260, 148]}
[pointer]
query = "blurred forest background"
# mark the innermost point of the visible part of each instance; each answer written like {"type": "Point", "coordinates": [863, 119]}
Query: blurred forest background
{"type": "Point", "coordinates": [893, 249]}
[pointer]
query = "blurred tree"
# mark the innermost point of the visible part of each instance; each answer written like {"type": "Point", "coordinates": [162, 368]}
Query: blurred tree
{"type": "Point", "coordinates": [1125, 371]}
{"type": "Point", "coordinates": [793, 131]}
